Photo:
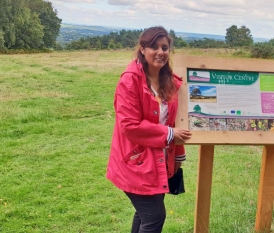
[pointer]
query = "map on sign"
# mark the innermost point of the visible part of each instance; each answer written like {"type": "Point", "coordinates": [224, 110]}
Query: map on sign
{"type": "Point", "coordinates": [230, 100]}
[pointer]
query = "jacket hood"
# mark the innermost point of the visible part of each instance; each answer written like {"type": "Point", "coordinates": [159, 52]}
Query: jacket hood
{"type": "Point", "coordinates": [178, 81]}
{"type": "Point", "coordinates": [135, 67]}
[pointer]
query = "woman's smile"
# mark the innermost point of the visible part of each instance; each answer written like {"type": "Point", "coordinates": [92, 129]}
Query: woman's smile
{"type": "Point", "coordinates": [157, 55]}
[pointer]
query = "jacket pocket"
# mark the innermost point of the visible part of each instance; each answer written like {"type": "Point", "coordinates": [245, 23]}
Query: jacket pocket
{"type": "Point", "coordinates": [141, 167]}
{"type": "Point", "coordinates": [135, 156]}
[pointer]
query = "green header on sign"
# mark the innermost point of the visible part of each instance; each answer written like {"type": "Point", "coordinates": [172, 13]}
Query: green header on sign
{"type": "Point", "coordinates": [222, 77]}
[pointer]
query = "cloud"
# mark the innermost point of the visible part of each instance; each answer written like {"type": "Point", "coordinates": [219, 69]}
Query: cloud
{"type": "Point", "coordinates": [73, 1]}
{"type": "Point", "coordinates": [200, 7]}
{"type": "Point", "coordinates": [224, 3]}
{"type": "Point", "coordinates": [210, 91]}
{"type": "Point", "coordinates": [122, 2]}
{"type": "Point", "coordinates": [157, 9]}
{"type": "Point", "coordinates": [197, 16]}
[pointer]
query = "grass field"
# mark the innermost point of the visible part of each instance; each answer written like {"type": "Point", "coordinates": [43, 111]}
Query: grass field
{"type": "Point", "coordinates": [56, 120]}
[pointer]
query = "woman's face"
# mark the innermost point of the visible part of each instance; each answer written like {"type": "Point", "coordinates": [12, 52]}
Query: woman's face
{"type": "Point", "coordinates": [157, 55]}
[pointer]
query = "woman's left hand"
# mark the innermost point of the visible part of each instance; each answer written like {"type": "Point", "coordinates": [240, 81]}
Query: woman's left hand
{"type": "Point", "coordinates": [177, 166]}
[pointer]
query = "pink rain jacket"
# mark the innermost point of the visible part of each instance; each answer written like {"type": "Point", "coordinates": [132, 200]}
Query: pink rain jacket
{"type": "Point", "coordinates": [137, 162]}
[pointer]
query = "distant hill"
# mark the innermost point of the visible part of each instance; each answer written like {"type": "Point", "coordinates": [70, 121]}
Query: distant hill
{"type": "Point", "coordinates": [69, 32]}
{"type": "Point", "coordinates": [187, 36]}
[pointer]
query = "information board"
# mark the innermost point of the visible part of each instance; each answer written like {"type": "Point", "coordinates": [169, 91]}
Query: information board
{"type": "Point", "coordinates": [230, 100]}
{"type": "Point", "coordinates": [226, 101]}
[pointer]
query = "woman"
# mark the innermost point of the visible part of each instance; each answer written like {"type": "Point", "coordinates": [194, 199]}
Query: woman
{"type": "Point", "coordinates": [143, 153]}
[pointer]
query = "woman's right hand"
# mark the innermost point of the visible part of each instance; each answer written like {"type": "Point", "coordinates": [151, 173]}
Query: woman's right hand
{"type": "Point", "coordinates": [182, 134]}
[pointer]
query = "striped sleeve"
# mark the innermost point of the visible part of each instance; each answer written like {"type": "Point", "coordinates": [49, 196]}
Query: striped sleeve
{"type": "Point", "coordinates": [170, 135]}
{"type": "Point", "coordinates": [180, 158]}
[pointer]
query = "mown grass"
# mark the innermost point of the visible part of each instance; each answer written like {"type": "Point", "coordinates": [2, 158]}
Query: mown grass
{"type": "Point", "coordinates": [56, 120]}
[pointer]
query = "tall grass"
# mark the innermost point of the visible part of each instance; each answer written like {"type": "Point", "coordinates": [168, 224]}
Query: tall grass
{"type": "Point", "coordinates": [56, 120]}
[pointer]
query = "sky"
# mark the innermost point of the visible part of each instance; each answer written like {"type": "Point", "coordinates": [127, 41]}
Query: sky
{"type": "Point", "coordinates": [194, 16]}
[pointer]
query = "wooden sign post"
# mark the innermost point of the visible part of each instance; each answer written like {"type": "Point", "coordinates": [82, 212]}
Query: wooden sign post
{"type": "Point", "coordinates": [210, 105]}
{"type": "Point", "coordinates": [266, 191]}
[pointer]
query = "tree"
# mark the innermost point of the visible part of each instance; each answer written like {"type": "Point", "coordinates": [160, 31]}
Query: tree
{"type": "Point", "coordinates": [114, 40]}
{"type": "Point", "coordinates": [20, 27]}
{"type": "Point", "coordinates": [104, 42]}
{"type": "Point", "coordinates": [28, 30]}
{"type": "Point", "coordinates": [111, 44]}
{"type": "Point", "coordinates": [178, 42]}
{"type": "Point", "coordinates": [197, 108]}
{"type": "Point", "coordinates": [2, 41]}
{"type": "Point", "coordinates": [238, 37]}
{"type": "Point", "coordinates": [172, 34]}
{"type": "Point", "coordinates": [271, 42]}
{"type": "Point", "coordinates": [263, 50]}
{"type": "Point", "coordinates": [49, 20]}
{"type": "Point", "coordinates": [207, 43]}
{"type": "Point", "coordinates": [129, 39]}
{"type": "Point", "coordinates": [98, 45]}
{"type": "Point", "coordinates": [7, 13]}
{"type": "Point", "coordinates": [195, 92]}
{"type": "Point", "coordinates": [28, 24]}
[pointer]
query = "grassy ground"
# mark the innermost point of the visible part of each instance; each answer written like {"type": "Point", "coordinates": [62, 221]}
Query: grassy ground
{"type": "Point", "coordinates": [56, 120]}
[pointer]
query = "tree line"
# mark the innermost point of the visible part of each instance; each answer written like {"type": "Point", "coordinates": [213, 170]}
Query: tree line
{"type": "Point", "coordinates": [235, 38]}
{"type": "Point", "coordinates": [117, 40]}
{"type": "Point", "coordinates": [28, 24]}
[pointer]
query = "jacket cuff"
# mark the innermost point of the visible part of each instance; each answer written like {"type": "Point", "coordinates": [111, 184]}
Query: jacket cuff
{"type": "Point", "coordinates": [170, 135]}
{"type": "Point", "coordinates": [180, 158]}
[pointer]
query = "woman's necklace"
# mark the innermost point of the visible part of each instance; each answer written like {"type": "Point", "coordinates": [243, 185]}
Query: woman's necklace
{"type": "Point", "coordinates": [156, 95]}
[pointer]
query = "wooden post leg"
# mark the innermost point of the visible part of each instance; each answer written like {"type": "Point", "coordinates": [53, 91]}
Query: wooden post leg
{"type": "Point", "coordinates": [266, 191]}
{"type": "Point", "coordinates": [203, 194]}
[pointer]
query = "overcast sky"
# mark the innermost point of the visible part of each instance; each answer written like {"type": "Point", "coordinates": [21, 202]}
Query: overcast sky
{"type": "Point", "coordinates": [196, 16]}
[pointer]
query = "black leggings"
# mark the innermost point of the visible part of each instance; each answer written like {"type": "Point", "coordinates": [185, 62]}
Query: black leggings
{"type": "Point", "coordinates": [150, 213]}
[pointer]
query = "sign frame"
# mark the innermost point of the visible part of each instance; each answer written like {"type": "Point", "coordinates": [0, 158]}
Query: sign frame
{"type": "Point", "coordinates": [181, 65]}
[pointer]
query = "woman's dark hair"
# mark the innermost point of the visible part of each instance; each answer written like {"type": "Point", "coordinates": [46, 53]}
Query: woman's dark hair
{"type": "Point", "coordinates": [147, 39]}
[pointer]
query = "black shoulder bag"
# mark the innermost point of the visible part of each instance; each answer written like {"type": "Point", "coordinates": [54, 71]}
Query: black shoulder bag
{"type": "Point", "coordinates": [176, 183]}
